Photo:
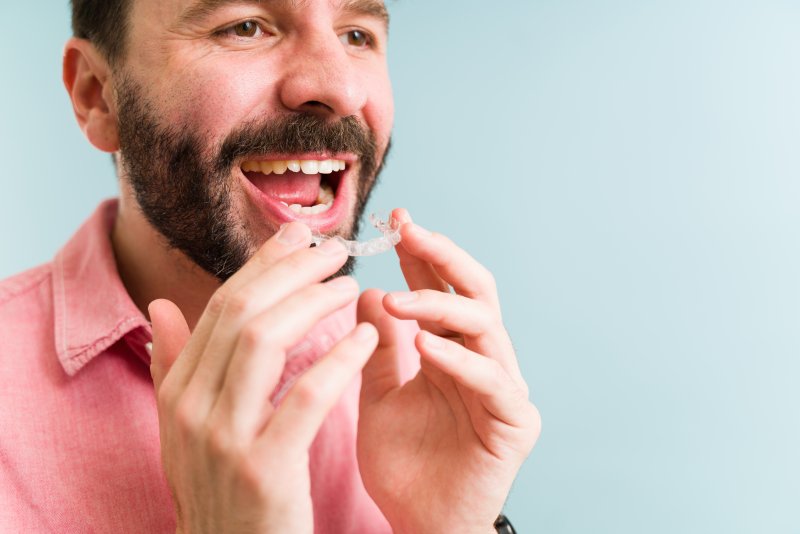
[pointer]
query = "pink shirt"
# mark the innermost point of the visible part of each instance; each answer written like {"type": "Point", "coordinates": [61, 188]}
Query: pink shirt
{"type": "Point", "coordinates": [79, 444]}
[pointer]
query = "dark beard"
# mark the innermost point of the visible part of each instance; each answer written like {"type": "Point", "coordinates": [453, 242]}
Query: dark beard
{"type": "Point", "coordinates": [183, 186]}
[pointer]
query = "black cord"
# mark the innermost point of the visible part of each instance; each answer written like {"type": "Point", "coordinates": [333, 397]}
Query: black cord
{"type": "Point", "coordinates": [503, 526]}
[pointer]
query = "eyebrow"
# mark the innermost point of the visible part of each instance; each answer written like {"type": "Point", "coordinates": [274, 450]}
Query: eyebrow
{"type": "Point", "coordinates": [371, 8]}
{"type": "Point", "coordinates": [203, 8]}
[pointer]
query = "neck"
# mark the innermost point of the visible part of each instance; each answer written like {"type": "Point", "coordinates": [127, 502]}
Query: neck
{"type": "Point", "coordinates": [150, 269]}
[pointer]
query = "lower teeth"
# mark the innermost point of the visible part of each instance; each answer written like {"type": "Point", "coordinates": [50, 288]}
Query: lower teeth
{"type": "Point", "coordinates": [310, 210]}
{"type": "Point", "coordinates": [324, 203]}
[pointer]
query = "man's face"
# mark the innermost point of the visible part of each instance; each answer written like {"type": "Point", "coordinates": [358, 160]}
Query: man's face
{"type": "Point", "coordinates": [239, 116]}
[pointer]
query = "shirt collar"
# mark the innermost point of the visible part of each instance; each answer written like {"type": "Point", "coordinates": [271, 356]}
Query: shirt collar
{"type": "Point", "coordinates": [92, 309]}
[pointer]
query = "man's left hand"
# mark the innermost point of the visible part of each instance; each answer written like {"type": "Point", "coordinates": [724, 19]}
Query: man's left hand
{"type": "Point", "coordinates": [439, 453]}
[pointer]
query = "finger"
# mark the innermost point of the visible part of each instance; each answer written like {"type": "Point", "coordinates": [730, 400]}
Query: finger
{"type": "Point", "coordinates": [382, 373]}
{"type": "Point", "coordinates": [170, 334]}
{"type": "Point", "coordinates": [260, 354]}
{"type": "Point", "coordinates": [419, 274]}
{"type": "Point", "coordinates": [292, 273]}
{"type": "Point", "coordinates": [469, 279]}
{"type": "Point", "coordinates": [254, 366]}
{"type": "Point", "coordinates": [449, 313]}
{"type": "Point", "coordinates": [451, 263]}
{"type": "Point", "coordinates": [296, 422]}
{"type": "Point", "coordinates": [292, 237]}
{"type": "Point", "coordinates": [454, 316]}
{"type": "Point", "coordinates": [502, 396]}
{"type": "Point", "coordinates": [289, 239]}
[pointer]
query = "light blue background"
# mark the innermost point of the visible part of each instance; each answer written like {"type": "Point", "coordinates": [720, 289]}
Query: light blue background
{"type": "Point", "coordinates": [628, 170]}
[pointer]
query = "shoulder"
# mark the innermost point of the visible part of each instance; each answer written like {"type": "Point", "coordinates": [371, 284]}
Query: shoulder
{"type": "Point", "coordinates": [24, 287]}
{"type": "Point", "coordinates": [26, 324]}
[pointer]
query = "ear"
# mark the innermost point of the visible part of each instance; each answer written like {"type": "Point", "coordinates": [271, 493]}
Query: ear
{"type": "Point", "coordinates": [87, 78]}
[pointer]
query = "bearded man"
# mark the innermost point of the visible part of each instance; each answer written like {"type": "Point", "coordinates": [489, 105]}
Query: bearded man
{"type": "Point", "coordinates": [188, 362]}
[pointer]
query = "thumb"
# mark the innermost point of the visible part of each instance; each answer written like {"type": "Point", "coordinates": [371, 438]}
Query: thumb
{"type": "Point", "coordinates": [381, 374]}
{"type": "Point", "coordinates": [170, 334]}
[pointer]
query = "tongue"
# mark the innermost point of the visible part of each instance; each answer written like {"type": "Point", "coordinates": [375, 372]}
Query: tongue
{"type": "Point", "coordinates": [292, 187]}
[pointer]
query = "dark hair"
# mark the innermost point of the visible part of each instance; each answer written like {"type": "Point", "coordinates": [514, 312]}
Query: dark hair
{"type": "Point", "coordinates": [104, 23]}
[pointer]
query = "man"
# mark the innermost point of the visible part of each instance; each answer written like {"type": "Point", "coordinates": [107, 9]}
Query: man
{"type": "Point", "coordinates": [285, 401]}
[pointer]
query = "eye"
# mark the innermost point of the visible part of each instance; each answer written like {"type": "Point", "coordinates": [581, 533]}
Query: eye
{"type": "Point", "coordinates": [356, 38]}
{"type": "Point", "coordinates": [248, 28]}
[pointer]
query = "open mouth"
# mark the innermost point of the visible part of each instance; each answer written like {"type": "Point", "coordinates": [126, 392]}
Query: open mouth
{"type": "Point", "coordinates": [306, 187]}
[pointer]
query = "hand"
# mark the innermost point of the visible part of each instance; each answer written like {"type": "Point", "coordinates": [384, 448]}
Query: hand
{"type": "Point", "coordinates": [440, 452]}
{"type": "Point", "coordinates": [234, 462]}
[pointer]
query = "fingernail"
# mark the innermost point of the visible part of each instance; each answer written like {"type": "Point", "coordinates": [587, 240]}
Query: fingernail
{"type": "Point", "coordinates": [292, 234]}
{"type": "Point", "coordinates": [364, 332]}
{"type": "Point", "coordinates": [404, 216]}
{"type": "Point", "coordinates": [149, 348]}
{"type": "Point", "coordinates": [404, 297]}
{"type": "Point", "coordinates": [331, 247]}
{"type": "Point", "coordinates": [342, 283]}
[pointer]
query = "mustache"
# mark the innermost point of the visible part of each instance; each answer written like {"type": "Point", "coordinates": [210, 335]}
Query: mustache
{"type": "Point", "coordinates": [298, 134]}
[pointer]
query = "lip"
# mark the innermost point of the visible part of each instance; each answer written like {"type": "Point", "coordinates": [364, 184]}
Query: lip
{"type": "Point", "coordinates": [316, 156]}
{"type": "Point", "coordinates": [279, 214]}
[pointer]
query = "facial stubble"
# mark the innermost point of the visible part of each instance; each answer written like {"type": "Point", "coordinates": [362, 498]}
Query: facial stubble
{"type": "Point", "coordinates": [184, 187]}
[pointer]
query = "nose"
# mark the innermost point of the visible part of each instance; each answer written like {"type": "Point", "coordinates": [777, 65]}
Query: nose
{"type": "Point", "coordinates": [321, 78]}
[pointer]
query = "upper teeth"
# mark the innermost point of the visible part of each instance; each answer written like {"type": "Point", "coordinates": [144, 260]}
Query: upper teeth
{"type": "Point", "coordinates": [306, 166]}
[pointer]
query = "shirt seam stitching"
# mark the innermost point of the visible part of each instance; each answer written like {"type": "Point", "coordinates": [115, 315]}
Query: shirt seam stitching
{"type": "Point", "coordinates": [114, 333]}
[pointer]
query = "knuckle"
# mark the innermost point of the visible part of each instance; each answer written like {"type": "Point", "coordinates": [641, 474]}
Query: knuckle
{"type": "Point", "coordinates": [261, 477]}
{"type": "Point", "coordinates": [489, 327]}
{"type": "Point", "coordinates": [496, 323]}
{"type": "Point", "coordinates": [535, 429]}
{"type": "Point", "coordinates": [493, 319]}
{"type": "Point", "coordinates": [165, 399]}
{"type": "Point", "coordinates": [536, 418]}
{"type": "Point", "coordinates": [238, 304]}
{"type": "Point", "coordinates": [438, 315]}
{"type": "Point", "coordinates": [306, 395]}
{"type": "Point", "coordinates": [497, 374]}
{"type": "Point", "coordinates": [525, 390]}
{"type": "Point", "coordinates": [318, 291]}
{"type": "Point", "coordinates": [221, 444]}
{"type": "Point", "coordinates": [251, 475]}
{"type": "Point", "coordinates": [519, 395]}
{"type": "Point", "coordinates": [444, 242]}
{"type": "Point", "coordinates": [186, 419]}
{"type": "Point", "coordinates": [217, 302]}
{"type": "Point", "coordinates": [254, 337]}
{"type": "Point", "coordinates": [296, 262]}
{"type": "Point", "coordinates": [450, 264]}
{"type": "Point", "coordinates": [263, 258]}
{"type": "Point", "coordinates": [427, 294]}
{"type": "Point", "coordinates": [488, 278]}
{"type": "Point", "coordinates": [166, 396]}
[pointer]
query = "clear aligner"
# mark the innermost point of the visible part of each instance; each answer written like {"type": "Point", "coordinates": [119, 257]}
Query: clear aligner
{"type": "Point", "coordinates": [391, 236]}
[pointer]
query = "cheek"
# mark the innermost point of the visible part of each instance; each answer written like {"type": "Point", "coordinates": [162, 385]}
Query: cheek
{"type": "Point", "coordinates": [217, 101]}
{"type": "Point", "coordinates": [379, 111]}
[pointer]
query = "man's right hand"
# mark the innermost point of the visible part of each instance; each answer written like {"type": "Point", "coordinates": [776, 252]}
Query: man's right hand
{"type": "Point", "coordinates": [234, 462]}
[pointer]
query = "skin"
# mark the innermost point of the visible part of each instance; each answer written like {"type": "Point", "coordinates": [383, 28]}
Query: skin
{"type": "Point", "coordinates": [438, 453]}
